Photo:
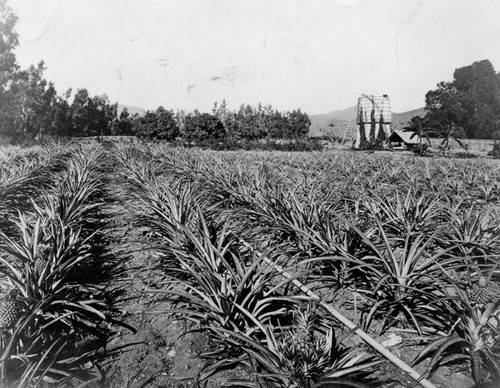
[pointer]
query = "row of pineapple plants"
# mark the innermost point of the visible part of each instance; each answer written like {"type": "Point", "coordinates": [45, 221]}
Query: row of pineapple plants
{"type": "Point", "coordinates": [55, 316]}
{"type": "Point", "coordinates": [24, 174]}
{"type": "Point", "coordinates": [252, 317]}
{"type": "Point", "coordinates": [416, 240]}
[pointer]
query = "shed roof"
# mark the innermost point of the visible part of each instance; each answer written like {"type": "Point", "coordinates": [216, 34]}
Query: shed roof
{"type": "Point", "coordinates": [406, 137]}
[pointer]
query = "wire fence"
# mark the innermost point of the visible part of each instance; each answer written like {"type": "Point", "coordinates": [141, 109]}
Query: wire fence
{"type": "Point", "coordinates": [478, 145]}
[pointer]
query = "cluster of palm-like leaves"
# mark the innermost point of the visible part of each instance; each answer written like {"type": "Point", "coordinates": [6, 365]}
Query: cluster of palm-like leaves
{"type": "Point", "coordinates": [63, 318]}
{"type": "Point", "coordinates": [308, 354]}
{"type": "Point", "coordinates": [24, 174]}
{"type": "Point", "coordinates": [471, 296]}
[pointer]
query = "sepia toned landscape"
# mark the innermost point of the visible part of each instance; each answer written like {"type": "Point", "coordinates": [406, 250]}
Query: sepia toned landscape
{"type": "Point", "coordinates": [246, 245]}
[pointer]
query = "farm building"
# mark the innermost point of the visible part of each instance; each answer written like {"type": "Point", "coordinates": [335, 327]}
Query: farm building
{"type": "Point", "coordinates": [403, 140]}
{"type": "Point", "coordinates": [373, 110]}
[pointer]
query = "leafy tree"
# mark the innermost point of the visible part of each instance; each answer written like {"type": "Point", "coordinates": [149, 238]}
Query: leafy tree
{"type": "Point", "coordinates": [92, 116]}
{"type": "Point", "coordinates": [167, 128]}
{"type": "Point", "coordinates": [8, 43]}
{"type": "Point", "coordinates": [444, 106]}
{"type": "Point", "coordinates": [82, 112]}
{"type": "Point", "coordinates": [204, 129]}
{"type": "Point", "coordinates": [27, 100]}
{"type": "Point", "coordinates": [32, 101]}
{"type": "Point", "coordinates": [124, 126]}
{"type": "Point", "coordinates": [228, 118]}
{"type": "Point", "coordinates": [471, 101]}
{"type": "Point", "coordinates": [275, 123]}
{"type": "Point", "coordinates": [62, 123]}
{"type": "Point", "coordinates": [107, 114]}
{"type": "Point", "coordinates": [158, 125]}
{"type": "Point", "coordinates": [480, 81]}
{"type": "Point", "coordinates": [299, 125]}
{"type": "Point", "coordinates": [145, 125]}
{"type": "Point", "coordinates": [250, 124]}
{"type": "Point", "coordinates": [180, 119]}
{"type": "Point", "coordinates": [29, 104]}
{"type": "Point", "coordinates": [41, 99]}
{"type": "Point", "coordinates": [8, 66]}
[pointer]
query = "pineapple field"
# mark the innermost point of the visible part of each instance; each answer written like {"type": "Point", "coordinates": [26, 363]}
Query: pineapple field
{"type": "Point", "coordinates": [143, 265]}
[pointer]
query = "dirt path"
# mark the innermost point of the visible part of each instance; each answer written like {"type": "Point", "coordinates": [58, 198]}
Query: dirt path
{"type": "Point", "coordinates": [159, 353]}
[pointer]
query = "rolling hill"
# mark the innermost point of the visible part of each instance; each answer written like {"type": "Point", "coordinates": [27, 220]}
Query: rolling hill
{"type": "Point", "coordinates": [399, 120]}
{"type": "Point", "coordinates": [340, 120]}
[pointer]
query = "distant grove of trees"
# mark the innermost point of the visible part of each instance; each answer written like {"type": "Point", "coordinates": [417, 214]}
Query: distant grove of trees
{"type": "Point", "coordinates": [31, 108]}
{"type": "Point", "coordinates": [468, 106]}
{"type": "Point", "coordinates": [221, 125]}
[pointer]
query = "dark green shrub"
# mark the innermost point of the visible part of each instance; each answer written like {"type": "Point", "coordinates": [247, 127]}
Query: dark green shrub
{"type": "Point", "coordinates": [465, 155]}
{"type": "Point", "coordinates": [422, 149]}
{"type": "Point", "coordinates": [495, 152]}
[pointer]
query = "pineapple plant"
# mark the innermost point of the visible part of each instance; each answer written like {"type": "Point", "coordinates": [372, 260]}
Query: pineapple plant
{"type": "Point", "coordinates": [303, 334]}
{"type": "Point", "coordinates": [51, 310]}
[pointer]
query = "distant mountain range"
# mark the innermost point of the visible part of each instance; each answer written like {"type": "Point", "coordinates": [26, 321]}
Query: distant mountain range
{"type": "Point", "coordinates": [340, 120]}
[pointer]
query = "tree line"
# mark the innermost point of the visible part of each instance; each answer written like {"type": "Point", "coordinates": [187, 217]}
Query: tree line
{"type": "Point", "coordinates": [468, 106]}
{"type": "Point", "coordinates": [30, 108]}
{"type": "Point", "coordinates": [222, 124]}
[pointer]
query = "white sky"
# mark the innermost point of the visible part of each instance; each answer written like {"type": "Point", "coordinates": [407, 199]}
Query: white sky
{"type": "Point", "coordinates": [317, 55]}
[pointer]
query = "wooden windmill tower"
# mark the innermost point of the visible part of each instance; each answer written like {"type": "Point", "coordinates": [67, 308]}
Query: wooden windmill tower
{"type": "Point", "coordinates": [373, 114]}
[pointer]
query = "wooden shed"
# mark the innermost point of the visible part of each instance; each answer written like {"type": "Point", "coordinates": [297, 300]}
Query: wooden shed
{"type": "Point", "coordinates": [404, 140]}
